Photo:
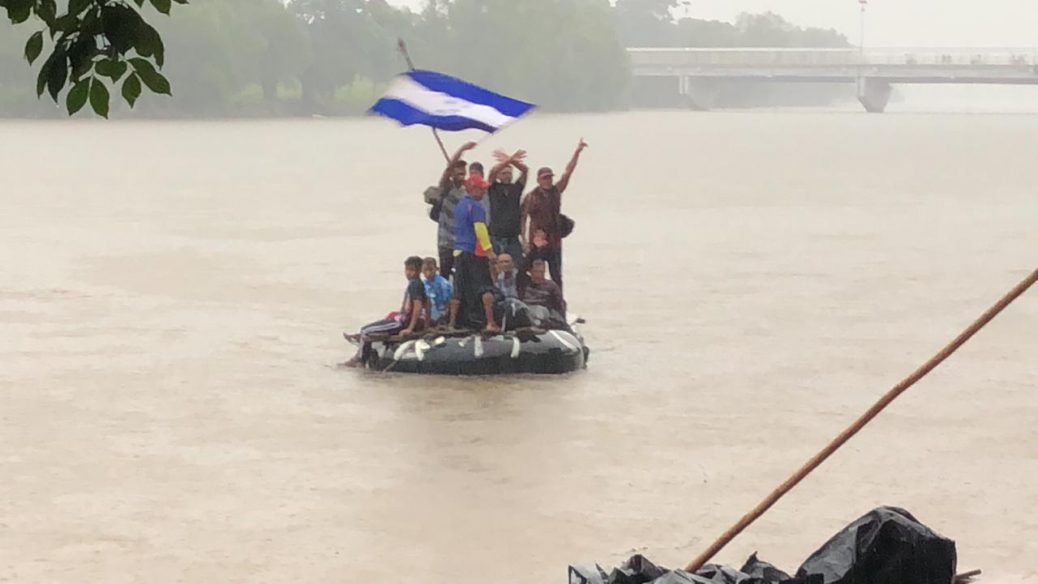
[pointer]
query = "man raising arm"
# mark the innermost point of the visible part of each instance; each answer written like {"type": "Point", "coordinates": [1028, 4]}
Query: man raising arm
{"type": "Point", "coordinates": [452, 190]}
{"type": "Point", "coordinates": [449, 176]}
{"type": "Point", "coordinates": [505, 197]}
{"type": "Point", "coordinates": [566, 174]}
{"type": "Point", "coordinates": [542, 216]}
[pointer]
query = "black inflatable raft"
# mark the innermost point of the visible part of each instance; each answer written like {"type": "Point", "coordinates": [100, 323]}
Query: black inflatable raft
{"type": "Point", "coordinates": [524, 351]}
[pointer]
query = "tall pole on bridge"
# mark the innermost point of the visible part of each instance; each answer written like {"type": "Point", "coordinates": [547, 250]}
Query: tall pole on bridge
{"type": "Point", "coordinates": [861, 50]}
{"type": "Point", "coordinates": [861, 36]}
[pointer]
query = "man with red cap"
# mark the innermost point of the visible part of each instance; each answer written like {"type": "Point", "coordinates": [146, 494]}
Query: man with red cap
{"type": "Point", "coordinates": [542, 219]}
{"type": "Point", "coordinates": [473, 301]}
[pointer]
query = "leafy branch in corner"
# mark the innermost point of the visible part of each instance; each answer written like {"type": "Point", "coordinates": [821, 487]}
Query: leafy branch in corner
{"type": "Point", "coordinates": [93, 44]}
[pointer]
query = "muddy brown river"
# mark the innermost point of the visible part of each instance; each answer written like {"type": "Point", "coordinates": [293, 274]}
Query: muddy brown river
{"type": "Point", "coordinates": [172, 296]}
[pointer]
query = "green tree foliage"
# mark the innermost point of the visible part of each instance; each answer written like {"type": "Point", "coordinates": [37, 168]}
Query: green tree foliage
{"type": "Point", "coordinates": [771, 30]}
{"type": "Point", "coordinates": [300, 57]}
{"type": "Point", "coordinates": [219, 48]}
{"type": "Point", "coordinates": [347, 38]}
{"type": "Point", "coordinates": [562, 55]}
{"type": "Point", "coordinates": [651, 23]}
{"type": "Point", "coordinates": [94, 45]}
{"type": "Point", "coordinates": [646, 23]}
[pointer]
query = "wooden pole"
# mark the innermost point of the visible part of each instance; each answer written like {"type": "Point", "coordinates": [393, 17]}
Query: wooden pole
{"type": "Point", "coordinates": [860, 423]}
{"type": "Point", "coordinates": [410, 65]}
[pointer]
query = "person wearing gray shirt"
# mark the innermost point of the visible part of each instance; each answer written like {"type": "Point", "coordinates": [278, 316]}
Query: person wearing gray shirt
{"type": "Point", "coordinates": [451, 190]}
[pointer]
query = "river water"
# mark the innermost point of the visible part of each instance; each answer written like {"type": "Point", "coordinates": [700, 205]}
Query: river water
{"type": "Point", "coordinates": [172, 297]}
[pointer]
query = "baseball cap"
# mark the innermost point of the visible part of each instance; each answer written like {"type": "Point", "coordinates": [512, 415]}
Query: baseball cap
{"type": "Point", "coordinates": [544, 171]}
{"type": "Point", "coordinates": [477, 181]}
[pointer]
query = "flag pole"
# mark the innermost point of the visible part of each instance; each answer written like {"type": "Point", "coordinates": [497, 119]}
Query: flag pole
{"type": "Point", "coordinates": [402, 46]}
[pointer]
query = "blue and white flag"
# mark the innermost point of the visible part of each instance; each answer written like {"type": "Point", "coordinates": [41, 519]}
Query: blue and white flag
{"type": "Point", "coordinates": [447, 103]}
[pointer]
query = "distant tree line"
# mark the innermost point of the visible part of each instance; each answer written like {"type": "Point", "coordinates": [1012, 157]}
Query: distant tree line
{"type": "Point", "coordinates": [651, 23]}
{"type": "Point", "coordinates": [334, 57]}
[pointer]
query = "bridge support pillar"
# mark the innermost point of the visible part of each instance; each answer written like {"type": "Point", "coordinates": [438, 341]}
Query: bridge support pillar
{"type": "Point", "coordinates": [874, 94]}
{"type": "Point", "coordinates": [694, 94]}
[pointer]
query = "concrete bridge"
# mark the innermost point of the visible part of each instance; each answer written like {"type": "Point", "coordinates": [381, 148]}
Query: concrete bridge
{"type": "Point", "coordinates": [873, 70]}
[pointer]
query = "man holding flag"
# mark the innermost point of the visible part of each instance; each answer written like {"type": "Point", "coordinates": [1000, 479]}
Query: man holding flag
{"type": "Point", "coordinates": [451, 191]}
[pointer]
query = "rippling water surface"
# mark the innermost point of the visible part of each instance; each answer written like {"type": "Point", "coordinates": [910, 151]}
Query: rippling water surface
{"type": "Point", "coordinates": [172, 295]}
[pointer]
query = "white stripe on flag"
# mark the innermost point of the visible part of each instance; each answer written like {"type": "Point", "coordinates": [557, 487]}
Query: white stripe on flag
{"type": "Point", "coordinates": [437, 103]}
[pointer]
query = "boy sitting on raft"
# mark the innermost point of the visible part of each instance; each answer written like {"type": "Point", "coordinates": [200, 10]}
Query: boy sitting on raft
{"type": "Point", "coordinates": [412, 316]}
{"type": "Point", "coordinates": [438, 289]}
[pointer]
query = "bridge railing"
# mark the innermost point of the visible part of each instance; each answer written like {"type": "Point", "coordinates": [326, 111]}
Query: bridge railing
{"type": "Point", "coordinates": [842, 57]}
{"type": "Point", "coordinates": [681, 57]}
{"type": "Point", "coordinates": [911, 56]}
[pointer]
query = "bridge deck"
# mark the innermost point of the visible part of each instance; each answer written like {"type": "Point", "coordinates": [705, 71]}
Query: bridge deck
{"type": "Point", "coordinates": [1009, 66]}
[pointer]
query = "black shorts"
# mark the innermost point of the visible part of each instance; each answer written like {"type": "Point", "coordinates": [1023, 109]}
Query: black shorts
{"type": "Point", "coordinates": [446, 262]}
{"type": "Point", "coordinates": [471, 279]}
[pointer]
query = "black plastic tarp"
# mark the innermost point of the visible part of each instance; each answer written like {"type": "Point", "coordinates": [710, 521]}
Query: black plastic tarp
{"type": "Point", "coordinates": [885, 546]}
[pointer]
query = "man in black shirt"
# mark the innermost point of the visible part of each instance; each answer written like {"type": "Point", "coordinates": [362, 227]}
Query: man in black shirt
{"type": "Point", "coordinates": [413, 315]}
{"type": "Point", "coordinates": [505, 199]}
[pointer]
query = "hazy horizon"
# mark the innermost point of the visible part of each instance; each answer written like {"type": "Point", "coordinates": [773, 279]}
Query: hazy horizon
{"type": "Point", "coordinates": [920, 23]}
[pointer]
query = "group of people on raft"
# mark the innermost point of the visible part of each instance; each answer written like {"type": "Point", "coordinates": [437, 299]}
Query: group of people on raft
{"type": "Point", "coordinates": [496, 247]}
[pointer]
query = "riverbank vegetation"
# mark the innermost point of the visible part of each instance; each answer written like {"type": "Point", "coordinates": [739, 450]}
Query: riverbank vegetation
{"type": "Point", "coordinates": [241, 58]}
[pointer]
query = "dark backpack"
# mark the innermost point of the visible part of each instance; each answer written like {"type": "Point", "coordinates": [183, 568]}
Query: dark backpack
{"type": "Point", "coordinates": [566, 225]}
{"type": "Point", "coordinates": [434, 196]}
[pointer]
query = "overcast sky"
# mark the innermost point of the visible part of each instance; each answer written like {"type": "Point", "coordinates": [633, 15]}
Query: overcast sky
{"type": "Point", "coordinates": [893, 23]}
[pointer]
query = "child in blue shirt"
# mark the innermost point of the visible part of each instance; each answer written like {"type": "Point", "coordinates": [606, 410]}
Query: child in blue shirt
{"type": "Point", "coordinates": [437, 288]}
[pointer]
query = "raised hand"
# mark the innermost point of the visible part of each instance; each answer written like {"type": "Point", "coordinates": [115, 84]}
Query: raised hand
{"type": "Point", "coordinates": [582, 145]}
{"type": "Point", "coordinates": [457, 155]}
{"type": "Point", "coordinates": [519, 156]}
{"type": "Point", "coordinates": [501, 156]}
